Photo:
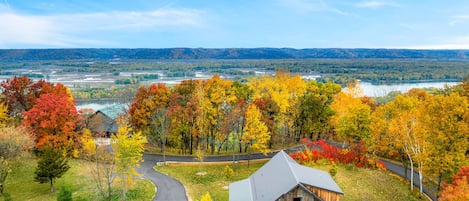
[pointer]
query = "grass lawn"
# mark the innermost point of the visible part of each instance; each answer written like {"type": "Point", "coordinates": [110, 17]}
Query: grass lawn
{"type": "Point", "coordinates": [20, 183]}
{"type": "Point", "coordinates": [356, 183]}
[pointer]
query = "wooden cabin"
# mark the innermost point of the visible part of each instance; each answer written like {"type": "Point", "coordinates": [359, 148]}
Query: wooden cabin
{"type": "Point", "coordinates": [102, 123]}
{"type": "Point", "coordinates": [283, 179]}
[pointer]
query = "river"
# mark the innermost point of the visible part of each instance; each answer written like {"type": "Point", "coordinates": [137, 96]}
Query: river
{"type": "Point", "coordinates": [381, 90]}
{"type": "Point", "coordinates": [368, 90]}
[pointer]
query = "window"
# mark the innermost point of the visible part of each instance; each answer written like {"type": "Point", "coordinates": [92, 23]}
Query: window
{"type": "Point", "coordinates": [297, 199]}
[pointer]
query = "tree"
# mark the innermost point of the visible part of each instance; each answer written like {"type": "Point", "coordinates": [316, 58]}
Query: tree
{"type": "Point", "coordinates": [396, 128]}
{"type": "Point", "coordinates": [53, 120]}
{"type": "Point", "coordinates": [128, 149]}
{"type": "Point", "coordinates": [14, 141]}
{"type": "Point", "coordinates": [446, 123]}
{"type": "Point", "coordinates": [218, 100]}
{"type": "Point", "coordinates": [147, 102]}
{"type": "Point", "coordinates": [103, 164]}
{"type": "Point", "coordinates": [4, 171]}
{"type": "Point", "coordinates": [459, 189]}
{"type": "Point", "coordinates": [51, 165]}
{"type": "Point", "coordinates": [314, 109]}
{"type": "Point", "coordinates": [4, 118]}
{"type": "Point", "coordinates": [206, 197]}
{"type": "Point", "coordinates": [17, 95]}
{"type": "Point", "coordinates": [352, 117]}
{"type": "Point", "coordinates": [256, 134]}
{"type": "Point", "coordinates": [20, 93]}
{"type": "Point", "coordinates": [284, 91]}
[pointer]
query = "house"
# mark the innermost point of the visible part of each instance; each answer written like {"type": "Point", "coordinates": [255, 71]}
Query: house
{"type": "Point", "coordinates": [283, 179]}
{"type": "Point", "coordinates": [102, 123]}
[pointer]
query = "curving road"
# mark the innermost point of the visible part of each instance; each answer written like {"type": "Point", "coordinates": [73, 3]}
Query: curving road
{"type": "Point", "coordinates": [171, 189]}
{"type": "Point", "coordinates": [168, 188]}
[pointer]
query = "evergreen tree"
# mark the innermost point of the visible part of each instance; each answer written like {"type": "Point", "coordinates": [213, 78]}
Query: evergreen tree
{"type": "Point", "coordinates": [52, 165]}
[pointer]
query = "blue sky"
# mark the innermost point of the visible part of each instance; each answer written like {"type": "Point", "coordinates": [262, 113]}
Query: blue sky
{"type": "Point", "coordinates": [430, 24]}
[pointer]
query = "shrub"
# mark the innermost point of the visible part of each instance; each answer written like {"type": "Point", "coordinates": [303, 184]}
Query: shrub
{"type": "Point", "coordinates": [64, 194]}
{"type": "Point", "coordinates": [317, 150]}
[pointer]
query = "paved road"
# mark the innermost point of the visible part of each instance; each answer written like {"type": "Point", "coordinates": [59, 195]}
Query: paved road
{"type": "Point", "coordinates": [168, 188]}
{"type": "Point", "coordinates": [176, 189]}
{"type": "Point", "coordinates": [400, 170]}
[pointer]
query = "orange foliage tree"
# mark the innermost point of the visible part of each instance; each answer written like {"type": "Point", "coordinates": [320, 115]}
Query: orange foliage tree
{"type": "Point", "coordinates": [459, 189]}
{"type": "Point", "coordinates": [19, 93]}
{"type": "Point", "coordinates": [52, 120]}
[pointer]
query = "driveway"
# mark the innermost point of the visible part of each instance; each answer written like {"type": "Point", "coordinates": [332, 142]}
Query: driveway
{"type": "Point", "coordinates": [168, 188]}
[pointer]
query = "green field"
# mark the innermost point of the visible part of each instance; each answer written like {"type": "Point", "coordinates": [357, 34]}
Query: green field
{"type": "Point", "coordinates": [357, 183]}
{"type": "Point", "coordinates": [20, 183]}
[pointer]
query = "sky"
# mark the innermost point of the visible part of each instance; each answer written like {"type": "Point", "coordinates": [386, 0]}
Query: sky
{"type": "Point", "coordinates": [417, 24]}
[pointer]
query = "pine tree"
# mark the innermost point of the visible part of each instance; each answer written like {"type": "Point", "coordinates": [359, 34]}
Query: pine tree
{"type": "Point", "coordinates": [52, 165]}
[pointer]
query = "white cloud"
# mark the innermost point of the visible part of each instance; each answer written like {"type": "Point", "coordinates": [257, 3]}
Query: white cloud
{"type": "Point", "coordinates": [306, 6]}
{"type": "Point", "coordinates": [459, 42]}
{"type": "Point", "coordinates": [377, 4]}
{"type": "Point", "coordinates": [458, 19]}
{"type": "Point", "coordinates": [68, 30]}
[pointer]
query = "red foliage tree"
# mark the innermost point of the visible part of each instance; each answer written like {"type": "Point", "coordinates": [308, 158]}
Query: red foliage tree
{"type": "Point", "coordinates": [20, 93]}
{"type": "Point", "coordinates": [459, 189]}
{"type": "Point", "coordinates": [321, 150]}
{"type": "Point", "coordinates": [52, 120]}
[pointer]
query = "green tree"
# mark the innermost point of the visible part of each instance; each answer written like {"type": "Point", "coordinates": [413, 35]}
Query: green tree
{"type": "Point", "coordinates": [51, 165]}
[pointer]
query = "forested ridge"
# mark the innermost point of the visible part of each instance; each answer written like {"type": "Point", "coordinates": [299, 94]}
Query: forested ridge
{"type": "Point", "coordinates": [229, 53]}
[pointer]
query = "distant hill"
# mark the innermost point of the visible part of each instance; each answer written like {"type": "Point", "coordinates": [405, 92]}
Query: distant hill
{"type": "Point", "coordinates": [229, 53]}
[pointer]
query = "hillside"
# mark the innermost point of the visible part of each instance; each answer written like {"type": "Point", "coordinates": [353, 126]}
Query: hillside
{"type": "Point", "coordinates": [229, 53]}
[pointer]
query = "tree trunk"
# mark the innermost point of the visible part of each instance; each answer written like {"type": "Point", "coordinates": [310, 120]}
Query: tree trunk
{"type": "Point", "coordinates": [411, 173]}
{"type": "Point", "coordinates": [420, 181]}
{"type": "Point", "coordinates": [439, 185]}
{"type": "Point", "coordinates": [51, 180]}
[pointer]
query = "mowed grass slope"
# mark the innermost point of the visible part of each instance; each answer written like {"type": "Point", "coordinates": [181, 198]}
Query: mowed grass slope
{"type": "Point", "coordinates": [20, 183]}
{"type": "Point", "coordinates": [356, 183]}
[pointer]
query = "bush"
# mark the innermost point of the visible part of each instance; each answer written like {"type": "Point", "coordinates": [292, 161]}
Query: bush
{"type": "Point", "coordinates": [64, 194]}
{"type": "Point", "coordinates": [7, 197]}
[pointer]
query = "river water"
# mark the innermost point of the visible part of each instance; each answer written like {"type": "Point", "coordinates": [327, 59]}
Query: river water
{"type": "Point", "coordinates": [368, 90]}
{"type": "Point", "coordinates": [381, 90]}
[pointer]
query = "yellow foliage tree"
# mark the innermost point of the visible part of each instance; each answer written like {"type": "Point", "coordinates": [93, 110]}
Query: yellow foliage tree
{"type": "Point", "coordinates": [128, 150]}
{"type": "Point", "coordinates": [352, 117]}
{"type": "Point", "coordinates": [256, 133]}
{"type": "Point", "coordinates": [3, 115]}
{"type": "Point", "coordinates": [284, 90]}
{"type": "Point", "coordinates": [206, 197]}
{"type": "Point", "coordinates": [446, 123]}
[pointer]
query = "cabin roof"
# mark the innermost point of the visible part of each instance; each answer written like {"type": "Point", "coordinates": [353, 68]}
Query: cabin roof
{"type": "Point", "coordinates": [279, 176]}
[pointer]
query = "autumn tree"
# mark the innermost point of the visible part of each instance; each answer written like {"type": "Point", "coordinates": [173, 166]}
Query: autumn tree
{"type": "Point", "coordinates": [128, 147]}
{"type": "Point", "coordinates": [352, 117]}
{"type": "Point", "coordinates": [218, 99]}
{"type": "Point", "coordinates": [182, 112]}
{"type": "Point", "coordinates": [284, 90]}
{"type": "Point", "coordinates": [256, 134]}
{"type": "Point", "coordinates": [4, 118]}
{"type": "Point", "coordinates": [20, 93]}
{"type": "Point", "coordinates": [51, 165]}
{"type": "Point", "coordinates": [14, 141]}
{"type": "Point", "coordinates": [314, 109]}
{"type": "Point", "coordinates": [446, 123]}
{"type": "Point", "coordinates": [103, 165]}
{"type": "Point", "coordinates": [458, 189]}
{"type": "Point", "coordinates": [146, 101]}
{"type": "Point", "coordinates": [53, 120]}
{"type": "Point", "coordinates": [396, 129]}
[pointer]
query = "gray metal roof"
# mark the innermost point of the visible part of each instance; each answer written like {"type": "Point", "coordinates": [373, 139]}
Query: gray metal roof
{"type": "Point", "coordinates": [277, 177]}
